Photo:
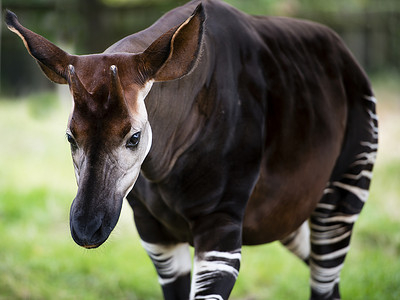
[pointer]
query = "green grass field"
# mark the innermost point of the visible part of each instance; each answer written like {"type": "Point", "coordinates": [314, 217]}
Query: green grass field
{"type": "Point", "coordinates": [39, 260]}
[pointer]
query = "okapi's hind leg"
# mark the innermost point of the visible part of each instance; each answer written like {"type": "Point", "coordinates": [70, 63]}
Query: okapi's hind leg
{"type": "Point", "coordinates": [298, 242]}
{"type": "Point", "coordinates": [332, 221]}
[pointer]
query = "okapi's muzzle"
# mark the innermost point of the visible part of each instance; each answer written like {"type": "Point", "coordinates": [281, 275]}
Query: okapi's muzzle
{"type": "Point", "coordinates": [96, 208]}
{"type": "Point", "coordinates": [90, 230]}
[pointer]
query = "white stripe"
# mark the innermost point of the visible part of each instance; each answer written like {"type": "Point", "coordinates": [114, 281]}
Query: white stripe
{"type": "Point", "coordinates": [339, 218]}
{"type": "Point", "coordinates": [330, 241]}
{"type": "Point", "coordinates": [326, 206]}
{"type": "Point", "coordinates": [362, 162]}
{"type": "Point", "coordinates": [359, 192]}
{"type": "Point", "coordinates": [373, 146]}
{"type": "Point", "coordinates": [209, 297]}
{"type": "Point", "coordinates": [325, 274]}
{"type": "Point", "coordinates": [366, 158]}
{"type": "Point", "coordinates": [363, 173]}
{"type": "Point", "coordinates": [368, 155]}
{"type": "Point", "coordinates": [215, 266]}
{"type": "Point", "coordinates": [328, 191]}
{"type": "Point", "coordinates": [227, 255]}
{"type": "Point", "coordinates": [323, 288]}
{"type": "Point", "coordinates": [325, 228]}
{"type": "Point", "coordinates": [329, 233]}
{"type": "Point", "coordinates": [373, 125]}
{"type": "Point", "coordinates": [374, 129]}
{"type": "Point", "coordinates": [300, 244]}
{"type": "Point", "coordinates": [372, 115]}
{"type": "Point", "coordinates": [175, 260]}
{"type": "Point", "coordinates": [331, 255]}
{"type": "Point", "coordinates": [370, 98]}
{"type": "Point", "coordinates": [207, 265]}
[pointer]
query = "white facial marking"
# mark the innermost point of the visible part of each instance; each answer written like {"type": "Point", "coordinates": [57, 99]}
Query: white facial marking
{"type": "Point", "coordinates": [125, 162]}
{"type": "Point", "coordinates": [145, 91]}
{"type": "Point", "coordinates": [133, 159]}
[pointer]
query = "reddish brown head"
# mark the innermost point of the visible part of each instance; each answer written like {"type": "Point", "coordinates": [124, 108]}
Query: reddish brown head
{"type": "Point", "coordinates": [108, 128]}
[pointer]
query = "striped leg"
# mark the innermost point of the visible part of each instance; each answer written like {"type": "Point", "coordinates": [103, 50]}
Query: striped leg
{"type": "Point", "coordinates": [173, 265]}
{"type": "Point", "coordinates": [331, 230]}
{"type": "Point", "coordinates": [299, 242]}
{"type": "Point", "coordinates": [215, 273]}
{"type": "Point", "coordinates": [333, 220]}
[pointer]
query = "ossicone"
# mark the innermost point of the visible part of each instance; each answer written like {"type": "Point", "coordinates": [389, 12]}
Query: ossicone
{"type": "Point", "coordinates": [116, 92]}
{"type": "Point", "coordinates": [77, 88]}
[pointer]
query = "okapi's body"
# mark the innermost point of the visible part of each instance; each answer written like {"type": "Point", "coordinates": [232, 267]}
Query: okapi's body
{"type": "Point", "coordinates": [256, 125]}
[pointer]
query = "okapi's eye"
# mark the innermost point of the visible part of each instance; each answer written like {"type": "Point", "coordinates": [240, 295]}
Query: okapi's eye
{"type": "Point", "coordinates": [72, 142]}
{"type": "Point", "coordinates": [133, 140]}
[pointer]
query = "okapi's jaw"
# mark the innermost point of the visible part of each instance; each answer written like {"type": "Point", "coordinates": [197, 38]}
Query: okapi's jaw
{"type": "Point", "coordinates": [108, 128]}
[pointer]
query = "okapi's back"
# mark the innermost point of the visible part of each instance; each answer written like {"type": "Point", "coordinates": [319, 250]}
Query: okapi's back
{"type": "Point", "coordinates": [316, 115]}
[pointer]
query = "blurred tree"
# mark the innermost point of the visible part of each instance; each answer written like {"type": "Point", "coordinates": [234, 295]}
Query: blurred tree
{"type": "Point", "coordinates": [152, 3]}
{"type": "Point", "coordinates": [93, 25]}
{"type": "Point", "coordinates": [337, 6]}
{"type": "Point", "coordinates": [370, 28]}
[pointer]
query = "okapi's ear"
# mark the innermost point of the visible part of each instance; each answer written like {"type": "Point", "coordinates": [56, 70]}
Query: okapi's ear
{"type": "Point", "coordinates": [175, 54]}
{"type": "Point", "coordinates": [52, 60]}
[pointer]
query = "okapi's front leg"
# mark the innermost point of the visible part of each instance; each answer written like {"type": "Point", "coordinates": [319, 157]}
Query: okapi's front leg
{"type": "Point", "coordinates": [173, 265]}
{"type": "Point", "coordinates": [217, 259]}
{"type": "Point", "coordinates": [171, 258]}
{"type": "Point", "coordinates": [214, 274]}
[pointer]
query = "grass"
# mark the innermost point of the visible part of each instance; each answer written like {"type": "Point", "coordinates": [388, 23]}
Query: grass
{"type": "Point", "coordinates": [39, 260]}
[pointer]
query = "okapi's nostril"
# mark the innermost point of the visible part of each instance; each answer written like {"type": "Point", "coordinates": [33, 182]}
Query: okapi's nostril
{"type": "Point", "coordinates": [97, 233]}
{"type": "Point", "coordinates": [88, 232]}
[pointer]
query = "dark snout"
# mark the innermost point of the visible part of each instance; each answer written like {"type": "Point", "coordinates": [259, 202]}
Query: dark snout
{"type": "Point", "coordinates": [91, 227]}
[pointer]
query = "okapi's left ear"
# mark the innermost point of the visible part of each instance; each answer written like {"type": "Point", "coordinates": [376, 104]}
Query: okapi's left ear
{"type": "Point", "coordinates": [52, 60]}
{"type": "Point", "coordinates": [175, 54]}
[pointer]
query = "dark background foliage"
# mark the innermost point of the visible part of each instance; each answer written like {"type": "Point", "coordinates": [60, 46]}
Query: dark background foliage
{"type": "Point", "coordinates": [370, 28]}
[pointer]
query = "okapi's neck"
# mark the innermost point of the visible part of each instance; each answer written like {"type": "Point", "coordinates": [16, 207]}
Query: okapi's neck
{"type": "Point", "coordinates": [177, 112]}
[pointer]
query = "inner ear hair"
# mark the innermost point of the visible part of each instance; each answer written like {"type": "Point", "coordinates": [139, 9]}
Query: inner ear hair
{"type": "Point", "coordinates": [176, 53]}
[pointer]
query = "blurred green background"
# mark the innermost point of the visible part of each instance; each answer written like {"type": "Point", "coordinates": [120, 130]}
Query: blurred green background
{"type": "Point", "coordinates": [38, 258]}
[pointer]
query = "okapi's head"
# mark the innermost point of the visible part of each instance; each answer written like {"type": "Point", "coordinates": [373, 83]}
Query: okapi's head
{"type": "Point", "coordinates": [108, 128]}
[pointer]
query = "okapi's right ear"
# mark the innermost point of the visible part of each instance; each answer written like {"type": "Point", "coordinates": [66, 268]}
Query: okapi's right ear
{"type": "Point", "coordinates": [176, 53]}
{"type": "Point", "coordinates": [51, 59]}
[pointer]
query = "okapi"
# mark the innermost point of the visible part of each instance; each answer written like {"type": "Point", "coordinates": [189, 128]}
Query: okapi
{"type": "Point", "coordinates": [222, 129]}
